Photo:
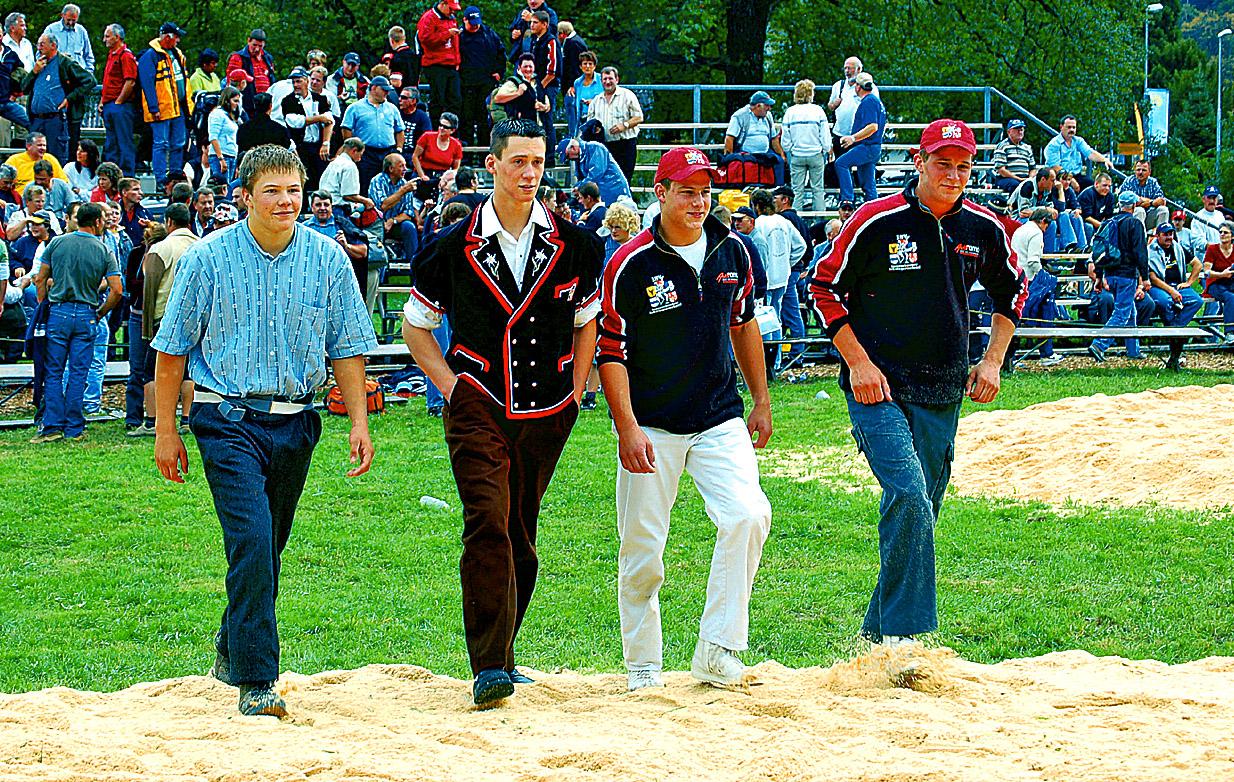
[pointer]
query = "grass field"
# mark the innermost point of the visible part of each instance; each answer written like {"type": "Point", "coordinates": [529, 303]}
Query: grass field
{"type": "Point", "coordinates": [110, 576]}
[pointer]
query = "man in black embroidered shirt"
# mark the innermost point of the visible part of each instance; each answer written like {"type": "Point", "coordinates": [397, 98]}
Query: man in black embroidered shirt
{"type": "Point", "coordinates": [519, 288]}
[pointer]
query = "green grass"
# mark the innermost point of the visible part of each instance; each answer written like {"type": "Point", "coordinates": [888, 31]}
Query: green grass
{"type": "Point", "coordinates": [109, 575]}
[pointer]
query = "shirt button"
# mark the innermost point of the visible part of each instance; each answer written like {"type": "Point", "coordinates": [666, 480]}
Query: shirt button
{"type": "Point", "coordinates": [533, 385]}
{"type": "Point", "coordinates": [516, 385]}
{"type": "Point", "coordinates": [533, 363]}
{"type": "Point", "coordinates": [533, 320]}
{"type": "Point", "coordinates": [515, 342]}
{"type": "Point", "coordinates": [533, 404]}
{"type": "Point", "coordinates": [515, 363]}
{"type": "Point", "coordinates": [533, 342]}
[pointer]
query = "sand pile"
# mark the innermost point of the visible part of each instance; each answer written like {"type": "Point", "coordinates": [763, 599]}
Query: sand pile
{"type": "Point", "coordinates": [1065, 716]}
{"type": "Point", "coordinates": [1173, 447]}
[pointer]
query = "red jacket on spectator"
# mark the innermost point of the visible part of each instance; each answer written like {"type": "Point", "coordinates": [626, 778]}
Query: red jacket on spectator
{"type": "Point", "coordinates": [439, 43]}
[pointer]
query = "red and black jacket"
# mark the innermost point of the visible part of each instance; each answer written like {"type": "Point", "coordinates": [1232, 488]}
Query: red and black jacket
{"type": "Point", "coordinates": [669, 326]}
{"type": "Point", "coordinates": [516, 346]}
{"type": "Point", "coordinates": [899, 276]}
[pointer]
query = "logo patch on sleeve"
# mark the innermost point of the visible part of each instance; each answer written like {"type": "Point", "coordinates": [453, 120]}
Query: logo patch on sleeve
{"type": "Point", "coordinates": [968, 250]}
{"type": "Point", "coordinates": [662, 294]}
{"type": "Point", "coordinates": [728, 278]}
{"type": "Point", "coordinates": [902, 254]}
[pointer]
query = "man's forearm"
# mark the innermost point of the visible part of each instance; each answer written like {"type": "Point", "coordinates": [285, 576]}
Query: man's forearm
{"type": "Point", "coordinates": [616, 381]}
{"type": "Point", "coordinates": [349, 374]}
{"type": "Point", "coordinates": [1001, 331]}
{"type": "Point", "coordinates": [168, 375]}
{"type": "Point", "coordinates": [427, 353]}
{"type": "Point", "coordinates": [126, 91]}
{"type": "Point", "coordinates": [584, 355]}
{"type": "Point", "coordinates": [748, 349]}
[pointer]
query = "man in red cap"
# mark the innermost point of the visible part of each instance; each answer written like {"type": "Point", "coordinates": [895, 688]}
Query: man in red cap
{"type": "Point", "coordinates": [893, 295]}
{"type": "Point", "coordinates": [675, 300]}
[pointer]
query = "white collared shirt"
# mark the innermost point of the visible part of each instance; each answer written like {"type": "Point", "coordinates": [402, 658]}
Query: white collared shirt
{"type": "Point", "coordinates": [515, 250]}
{"type": "Point", "coordinates": [24, 50]}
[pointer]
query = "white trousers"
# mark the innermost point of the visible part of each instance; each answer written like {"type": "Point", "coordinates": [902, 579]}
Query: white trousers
{"type": "Point", "coordinates": [721, 462]}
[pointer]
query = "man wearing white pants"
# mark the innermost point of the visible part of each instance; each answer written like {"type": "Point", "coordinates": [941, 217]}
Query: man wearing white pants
{"type": "Point", "coordinates": [674, 299]}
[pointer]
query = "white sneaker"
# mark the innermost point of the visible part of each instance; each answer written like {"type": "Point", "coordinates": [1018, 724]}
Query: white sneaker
{"type": "Point", "coordinates": [1050, 361]}
{"type": "Point", "coordinates": [892, 641]}
{"type": "Point", "coordinates": [716, 665]}
{"type": "Point", "coordinates": [644, 677]}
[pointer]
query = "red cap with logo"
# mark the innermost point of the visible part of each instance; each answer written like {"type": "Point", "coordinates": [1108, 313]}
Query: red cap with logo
{"type": "Point", "coordinates": [681, 163]}
{"type": "Point", "coordinates": [948, 133]}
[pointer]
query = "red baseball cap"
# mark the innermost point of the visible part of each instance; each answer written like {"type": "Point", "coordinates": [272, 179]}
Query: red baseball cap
{"type": "Point", "coordinates": [681, 163]}
{"type": "Point", "coordinates": [239, 74]}
{"type": "Point", "coordinates": [948, 133]}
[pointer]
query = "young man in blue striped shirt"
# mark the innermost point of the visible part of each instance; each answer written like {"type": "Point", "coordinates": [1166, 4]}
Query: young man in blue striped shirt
{"type": "Point", "coordinates": [253, 310]}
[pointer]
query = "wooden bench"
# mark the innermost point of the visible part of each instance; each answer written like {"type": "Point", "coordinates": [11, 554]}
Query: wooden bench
{"type": "Point", "coordinates": [1178, 335]}
{"type": "Point", "coordinates": [21, 374]}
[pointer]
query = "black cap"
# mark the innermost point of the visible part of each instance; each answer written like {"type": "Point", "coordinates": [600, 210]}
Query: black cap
{"type": "Point", "coordinates": [783, 190]}
{"type": "Point", "coordinates": [847, 205]}
{"type": "Point", "coordinates": [258, 34]}
{"type": "Point", "coordinates": [747, 211]}
{"type": "Point", "coordinates": [171, 28]}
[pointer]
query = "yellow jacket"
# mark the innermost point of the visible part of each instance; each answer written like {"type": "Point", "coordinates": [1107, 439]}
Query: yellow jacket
{"type": "Point", "coordinates": [156, 78]}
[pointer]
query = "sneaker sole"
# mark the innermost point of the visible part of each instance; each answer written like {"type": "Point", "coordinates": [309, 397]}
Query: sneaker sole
{"type": "Point", "coordinates": [271, 710]}
{"type": "Point", "coordinates": [710, 678]}
{"type": "Point", "coordinates": [494, 692]}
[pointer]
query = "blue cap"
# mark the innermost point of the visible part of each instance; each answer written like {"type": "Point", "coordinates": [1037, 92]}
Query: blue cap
{"type": "Point", "coordinates": [1212, 190]}
{"type": "Point", "coordinates": [1165, 228]}
{"type": "Point", "coordinates": [351, 57]}
{"type": "Point", "coordinates": [298, 72]}
{"type": "Point", "coordinates": [471, 13]}
{"type": "Point", "coordinates": [1015, 123]}
{"type": "Point", "coordinates": [171, 28]}
{"type": "Point", "coordinates": [380, 81]}
{"type": "Point", "coordinates": [1127, 198]}
{"type": "Point", "coordinates": [761, 97]}
{"type": "Point", "coordinates": [564, 144]}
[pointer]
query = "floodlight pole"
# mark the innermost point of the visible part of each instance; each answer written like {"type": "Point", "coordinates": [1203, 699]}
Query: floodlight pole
{"type": "Point", "coordinates": [1217, 163]}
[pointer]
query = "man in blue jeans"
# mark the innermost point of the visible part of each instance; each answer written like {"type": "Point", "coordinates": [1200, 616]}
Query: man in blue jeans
{"type": "Point", "coordinates": [257, 369]}
{"type": "Point", "coordinates": [77, 264]}
{"type": "Point", "coordinates": [865, 145]}
{"type": "Point", "coordinates": [893, 299]}
{"type": "Point", "coordinates": [1126, 276]}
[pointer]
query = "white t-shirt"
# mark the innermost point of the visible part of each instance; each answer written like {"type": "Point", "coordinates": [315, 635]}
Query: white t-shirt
{"type": "Point", "coordinates": [1028, 243]}
{"type": "Point", "coordinates": [342, 178]}
{"type": "Point", "coordinates": [847, 110]}
{"type": "Point", "coordinates": [694, 253]}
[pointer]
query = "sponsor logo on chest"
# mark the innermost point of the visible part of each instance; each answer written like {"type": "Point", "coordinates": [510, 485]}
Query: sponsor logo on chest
{"type": "Point", "coordinates": [902, 254]}
{"type": "Point", "coordinates": [662, 294]}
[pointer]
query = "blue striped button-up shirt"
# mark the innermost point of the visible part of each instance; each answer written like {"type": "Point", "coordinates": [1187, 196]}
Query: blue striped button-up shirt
{"type": "Point", "coordinates": [253, 324]}
{"type": "Point", "coordinates": [382, 188]}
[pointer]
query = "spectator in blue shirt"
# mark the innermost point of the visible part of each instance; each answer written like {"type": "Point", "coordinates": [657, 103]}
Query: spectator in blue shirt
{"type": "Point", "coordinates": [394, 196]}
{"type": "Point", "coordinates": [257, 368]}
{"type": "Point", "coordinates": [865, 145]}
{"type": "Point", "coordinates": [1070, 152]}
{"type": "Point", "coordinates": [586, 86]}
{"type": "Point", "coordinates": [74, 39]}
{"type": "Point", "coordinates": [1150, 209]}
{"type": "Point", "coordinates": [594, 163]}
{"type": "Point", "coordinates": [377, 123]}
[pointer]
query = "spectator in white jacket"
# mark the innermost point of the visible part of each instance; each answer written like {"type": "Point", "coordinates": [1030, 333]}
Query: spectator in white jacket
{"type": "Point", "coordinates": [784, 245]}
{"type": "Point", "coordinates": [807, 142]}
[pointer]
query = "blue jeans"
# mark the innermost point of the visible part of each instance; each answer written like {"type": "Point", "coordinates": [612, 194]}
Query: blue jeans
{"type": "Point", "coordinates": [167, 151]}
{"type": "Point", "coordinates": [1040, 306]}
{"type": "Point", "coordinates": [222, 169]}
{"type": "Point", "coordinates": [92, 401]}
{"type": "Point", "coordinates": [135, 388]}
{"type": "Point", "coordinates": [570, 104]}
{"type": "Point", "coordinates": [775, 297]}
{"type": "Point", "coordinates": [71, 331]}
{"type": "Point", "coordinates": [56, 128]}
{"type": "Point", "coordinates": [1224, 293]}
{"type": "Point", "coordinates": [1176, 316]}
{"type": "Point", "coordinates": [15, 112]}
{"type": "Point", "coordinates": [118, 147]}
{"type": "Point", "coordinates": [790, 315]}
{"type": "Point", "coordinates": [433, 398]}
{"type": "Point", "coordinates": [256, 468]}
{"type": "Point", "coordinates": [1123, 289]}
{"type": "Point", "coordinates": [410, 237]}
{"type": "Point", "coordinates": [910, 448]}
{"type": "Point", "coordinates": [863, 157]}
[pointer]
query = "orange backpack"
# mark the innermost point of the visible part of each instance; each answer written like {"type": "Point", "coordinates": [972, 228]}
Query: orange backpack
{"type": "Point", "coordinates": [376, 398]}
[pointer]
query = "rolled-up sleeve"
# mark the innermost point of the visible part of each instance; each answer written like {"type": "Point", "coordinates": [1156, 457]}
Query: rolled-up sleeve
{"type": "Point", "coordinates": [188, 306]}
{"type": "Point", "coordinates": [349, 329]}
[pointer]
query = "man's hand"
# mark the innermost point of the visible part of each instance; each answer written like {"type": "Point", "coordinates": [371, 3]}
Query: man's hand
{"type": "Point", "coordinates": [63, 104]}
{"type": "Point", "coordinates": [570, 92]}
{"type": "Point", "coordinates": [361, 450]}
{"type": "Point", "coordinates": [324, 152]}
{"type": "Point", "coordinates": [170, 456]}
{"type": "Point", "coordinates": [983, 382]}
{"type": "Point", "coordinates": [760, 422]}
{"type": "Point", "coordinates": [869, 384]}
{"type": "Point", "coordinates": [341, 238]}
{"type": "Point", "coordinates": [1175, 295]}
{"type": "Point", "coordinates": [846, 141]}
{"type": "Point", "coordinates": [515, 34]}
{"type": "Point", "coordinates": [634, 448]}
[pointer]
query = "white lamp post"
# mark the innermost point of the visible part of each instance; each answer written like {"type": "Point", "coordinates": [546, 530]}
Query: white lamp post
{"type": "Point", "coordinates": [1152, 8]}
{"type": "Point", "coordinates": [1220, 36]}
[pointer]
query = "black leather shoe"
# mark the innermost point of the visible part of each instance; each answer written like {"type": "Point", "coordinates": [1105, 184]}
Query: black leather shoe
{"type": "Point", "coordinates": [491, 685]}
{"type": "Point", "coordinates": [260, 700]}
{"type": "Point", "coordinates": [520, 678]}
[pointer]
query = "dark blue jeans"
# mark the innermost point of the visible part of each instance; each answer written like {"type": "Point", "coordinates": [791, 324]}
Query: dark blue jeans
{"type": "Point", "coordinates": [135, 388]}
{"type": "Point", "coordinates": [118, 144]}
{"type": "Point", "coordinates": [256, 468]}
{"type": "Point", "coordinates": [790, 315]}
{"type": "Point", "coordinates": [71, 330]}
{"type": "Point", "coordinates": [432, 394]}
{"type": "Point", "coordinates": [910, 448]}
{"type": "Point", "coordinates": [1125, 311]}
{"type": "Point", "coordinates": [864, 158]}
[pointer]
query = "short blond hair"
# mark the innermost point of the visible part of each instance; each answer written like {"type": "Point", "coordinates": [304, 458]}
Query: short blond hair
{"type": "Point", "coordinates": [803, 92]}
{"type": "Point", "coordinates": [622, 216]}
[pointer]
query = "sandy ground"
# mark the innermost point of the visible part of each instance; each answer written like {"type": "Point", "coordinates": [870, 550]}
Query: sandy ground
{"type": "Point", "coordinates": [1172, 446]}
{"type": "Point", "coordinates": [1065, 716]}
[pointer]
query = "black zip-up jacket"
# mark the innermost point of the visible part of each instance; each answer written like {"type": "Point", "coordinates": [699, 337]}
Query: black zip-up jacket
{"type": "Point", "coordinates": [900, 277]}
{"type": "Point", "coordinates": [481, 55]}
{"type": "Point", "coordinates": [670, 326]}
{"type": "Point", "coordinates": [1132, 247]}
